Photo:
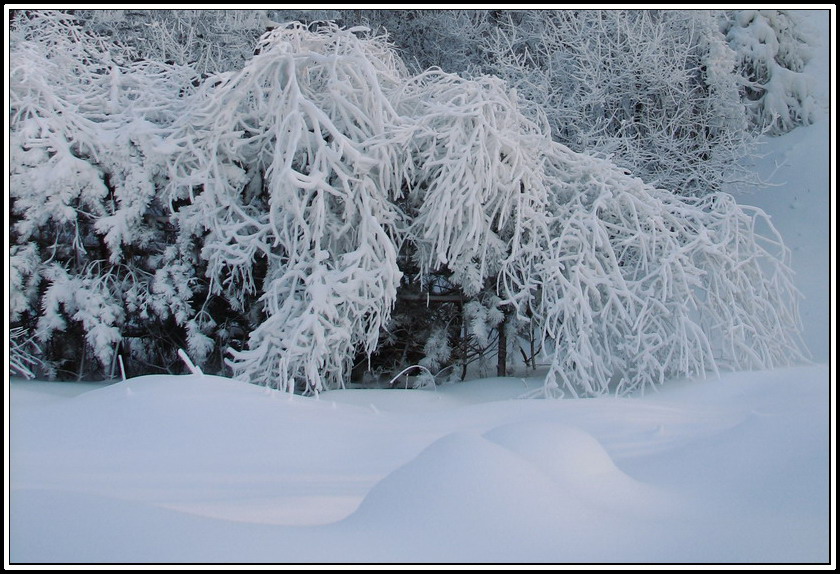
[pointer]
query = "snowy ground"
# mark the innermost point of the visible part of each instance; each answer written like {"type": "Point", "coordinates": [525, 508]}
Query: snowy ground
{"type": "Point", "coordinates": [208, 470]}
{"type": "Point", "coordinates": [192, 469]}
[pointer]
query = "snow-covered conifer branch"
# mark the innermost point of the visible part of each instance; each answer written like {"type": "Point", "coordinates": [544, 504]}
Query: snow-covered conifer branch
{"type": "Point", "coordinates": [772, 48]}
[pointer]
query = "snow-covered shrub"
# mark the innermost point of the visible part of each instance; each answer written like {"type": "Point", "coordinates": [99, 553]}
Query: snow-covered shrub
{"type": "Point", "coordinates": [482, 318]}
{"type": "Point", "coordinates": [90, 299]}
{"type": "Point", "coordinates": [24, 278]}
{"type": "Point", "coordinates": [448, 39]}
{"type": "Point", "coordinates": [437, 350]}
{"type": "Point", "coordinates": [417, 317]}
{"type": "Point", "coordinates": [772, 48]}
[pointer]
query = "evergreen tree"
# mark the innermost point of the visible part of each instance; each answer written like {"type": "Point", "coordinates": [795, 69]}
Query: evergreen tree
{"type": "Point", "coordinates": [88, 224]}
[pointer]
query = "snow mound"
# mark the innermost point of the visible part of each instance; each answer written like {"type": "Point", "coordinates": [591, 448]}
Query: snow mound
{"type": "Point", "coordinates": [579, 464]}
{"type": "Point", "coordinates": [499, 497]}
{"type": "Point", "coordinates": [466, 494]}
{"type": "Point", "coordinates": [467, 474]}
{"type": "Point", "coordinates": [566, 453]}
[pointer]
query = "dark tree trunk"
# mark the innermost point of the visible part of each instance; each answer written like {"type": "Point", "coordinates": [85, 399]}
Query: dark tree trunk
{"type": "Point", "coordinates": [501, 365]}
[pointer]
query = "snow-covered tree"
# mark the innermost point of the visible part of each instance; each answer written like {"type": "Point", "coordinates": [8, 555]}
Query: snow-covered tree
{"type": "Point", "coordinates": [306, 172]}
{"type": "Point", "coordinates": [640, 285]}
{"type": "Point", "coordinates": [772, 48]}
{"type": "Point", "coordinates": [289, 176]}
{"type": "Point", "coordinates": [86, 129]}
{"type": "Point", "coordinates": [657, 91]}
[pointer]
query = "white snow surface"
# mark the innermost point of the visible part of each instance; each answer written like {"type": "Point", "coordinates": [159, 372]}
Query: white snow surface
{"type": "Point", "coordinates": [206, 470]}
{"type": "Point", "coordinates": [201, 469]}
